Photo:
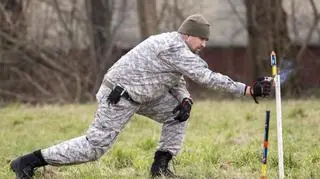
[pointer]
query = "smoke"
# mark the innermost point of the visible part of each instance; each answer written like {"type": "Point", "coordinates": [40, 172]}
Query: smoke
{"type": "Point", "coordinates": [286, 69]}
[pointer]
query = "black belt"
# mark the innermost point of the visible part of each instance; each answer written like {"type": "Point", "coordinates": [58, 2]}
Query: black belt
{"type": "Point", "coordinates": [123, 92]}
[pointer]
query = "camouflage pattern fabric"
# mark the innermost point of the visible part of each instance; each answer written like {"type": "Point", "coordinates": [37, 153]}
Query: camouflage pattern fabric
{"type": "Point", "coordinates": [158, 63]}
{"type": "Point", "coordinates": [152, 73]}
{"type": "Point", "coordinates": [109, 121]}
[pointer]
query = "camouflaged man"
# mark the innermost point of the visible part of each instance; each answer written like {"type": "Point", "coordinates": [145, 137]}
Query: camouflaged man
{"type": "Point", "coordinates": [148, 80]}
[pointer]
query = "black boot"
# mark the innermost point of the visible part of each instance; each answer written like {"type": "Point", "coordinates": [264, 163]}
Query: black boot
{"type": "Point", "coordinates": [160, 165]}
{"type": "Point", "coordinates": [24, 166]}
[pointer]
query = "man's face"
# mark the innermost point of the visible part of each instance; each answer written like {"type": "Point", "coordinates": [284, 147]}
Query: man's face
{"type": "Point", "coordinates": [196, 44]}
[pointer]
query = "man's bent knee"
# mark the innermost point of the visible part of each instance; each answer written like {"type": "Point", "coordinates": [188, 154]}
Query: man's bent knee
{"type": "Point", "coordinates": [101, 141]}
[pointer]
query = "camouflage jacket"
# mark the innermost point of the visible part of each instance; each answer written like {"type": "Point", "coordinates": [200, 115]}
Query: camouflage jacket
{"type": "Point", "coordinates": [158, 65]}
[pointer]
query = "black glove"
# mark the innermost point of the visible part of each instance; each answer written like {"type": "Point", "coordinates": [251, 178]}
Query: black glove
{"type": "Point", "coordinates": [184, 109]}
{"type": "Point", "coordinates": [261, 87]}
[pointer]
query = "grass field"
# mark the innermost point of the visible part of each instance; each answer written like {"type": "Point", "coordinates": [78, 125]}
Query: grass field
{"type": "Point", "coordinates": [224, 140]}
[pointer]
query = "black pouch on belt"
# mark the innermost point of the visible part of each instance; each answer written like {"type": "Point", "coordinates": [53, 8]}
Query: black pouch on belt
{"type": "Point", "coordinates": [116, 94]}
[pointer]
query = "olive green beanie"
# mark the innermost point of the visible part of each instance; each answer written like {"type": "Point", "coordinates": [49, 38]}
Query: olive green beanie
{"type": "Point", "coordinates": [195, 25]}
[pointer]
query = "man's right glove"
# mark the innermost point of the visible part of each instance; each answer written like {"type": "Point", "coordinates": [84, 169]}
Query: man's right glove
{"type": "Point", "coordinates": [261, 87]}
{"type": "Point", "coordinates": [184, 109]}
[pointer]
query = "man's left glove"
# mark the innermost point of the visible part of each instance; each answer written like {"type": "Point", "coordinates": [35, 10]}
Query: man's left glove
{"type": "Point", "coordinates": [184, 109]}
{"type": "Point", "coordinates": [261, 87]}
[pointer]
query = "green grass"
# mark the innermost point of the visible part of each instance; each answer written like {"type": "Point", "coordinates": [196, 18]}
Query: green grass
{"type": "Point", "coordinates": [223, 140]}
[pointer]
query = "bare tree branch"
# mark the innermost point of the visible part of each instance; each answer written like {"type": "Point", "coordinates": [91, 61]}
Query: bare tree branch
{"type": "Point", "coordinates": [294, 21]}
{"type": "Point", "coordinates": [32, 81]}
{"type": "Point", "coordinates": [163, 9]}
{"type": "Point", "coordinates": [234, 9]}
{"type": "Point", "coordinates": [63, 86]}
{"type": "Point", "coordinates": [311, 30]}
{"type": "Point", "coordinates": [20, 97]}
{"type": "Point", "coordinates": [61, 19]}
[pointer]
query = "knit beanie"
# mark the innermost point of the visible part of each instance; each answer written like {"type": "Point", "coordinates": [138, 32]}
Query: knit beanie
{"type": "Point", "coordinates": [195, 25]}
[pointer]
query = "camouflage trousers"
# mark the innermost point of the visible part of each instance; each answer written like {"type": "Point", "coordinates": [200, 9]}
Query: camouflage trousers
{"type": "Point", "coordinates": [109, 121]}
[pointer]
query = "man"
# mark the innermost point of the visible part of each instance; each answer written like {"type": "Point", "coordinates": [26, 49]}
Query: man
{"type": "Point", "coordinates": [148, 80]}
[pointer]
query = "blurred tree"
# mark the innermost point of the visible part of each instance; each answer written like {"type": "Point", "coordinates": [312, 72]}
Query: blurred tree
{"type": "Point", "coordinates": [101, 19]}
{"type": "Point", "coordinates": [25, 63]}
{"type": "Point", "coordinates": [12, 22]}
{"type": "Point", "coordinates": [101, 16]}
{"type": "Point", "coordinates": [35, 71]}
{"type": "Point", "coordinates": [101, 13]}
{"type": "Point", "coordinates": [294, 82]}
{"type": "Point", "coordinates": [147, 12]}
{"type": "Point", "coordinates": [267, 31]}
{"type": "Point", "coordinates": [12, 37]}
{"type": "Point", "coordinates": [177, 14]}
